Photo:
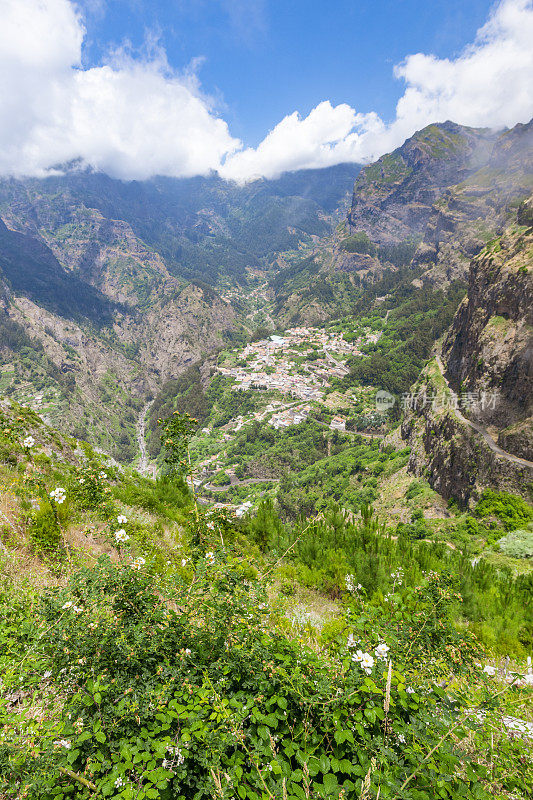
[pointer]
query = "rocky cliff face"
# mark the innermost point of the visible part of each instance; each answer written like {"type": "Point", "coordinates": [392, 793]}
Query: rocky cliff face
{"type": "Point", "coordinates": [433, 204]}
{"type": "Point", "coordinates": [106, 320]}
{"type": "Point", "coordinates": [448, 187]}
{"type": "Point", "coordinates": [393, 198]}
{"type": "Point", "coordinates": [489, 347]}
{"type": "Point", "coordinates": [483, 438]}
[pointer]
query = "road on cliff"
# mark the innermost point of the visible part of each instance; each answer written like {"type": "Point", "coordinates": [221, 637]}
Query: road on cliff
{"type": "Point", "coordinates": [480, 429]}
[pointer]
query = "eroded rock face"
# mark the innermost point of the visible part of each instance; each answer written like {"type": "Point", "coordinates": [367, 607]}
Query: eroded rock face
{"type": "Point", "coordinates": [450, 188]}
{"type": "Point", "coordinates": [393, 198]}
{"type": "Point", "coordinates": [487, 353]}
{"type": "Point", "coordinates": [456, 460]}
{"type": "Point", "coordinates": [489, 347]}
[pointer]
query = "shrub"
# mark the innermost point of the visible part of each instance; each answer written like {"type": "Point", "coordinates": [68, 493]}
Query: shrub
{"type": "Point", "coordinates": [518, 544]}
{"type": "Point", "coordinates": [44, 530]}
{"type": "Point", "coordinates": [174, 690]}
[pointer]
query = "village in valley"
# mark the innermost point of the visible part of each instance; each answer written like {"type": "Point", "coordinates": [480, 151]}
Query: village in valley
{"type": "Point", "coordinates": [297, 374]}
{"type": "Point", "coordinates": [300, 363]}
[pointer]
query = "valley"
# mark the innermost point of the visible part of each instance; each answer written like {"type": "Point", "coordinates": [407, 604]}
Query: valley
{"type": "Point", "coordinates": [266, 470]}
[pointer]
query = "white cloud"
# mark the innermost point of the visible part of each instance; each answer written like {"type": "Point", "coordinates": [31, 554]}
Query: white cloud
{"type": "Point", "coordinates": [135, 117]}
{"type": "Point", "coordinates": [131, 118]}
{"type": "Point", "coordinates": [490, 85]}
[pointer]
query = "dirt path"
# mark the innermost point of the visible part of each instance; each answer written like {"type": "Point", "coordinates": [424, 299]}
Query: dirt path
{"type": "Point", "coordinates": [144, 465]}
{"type": "Point", "coordinates": [483, 431]}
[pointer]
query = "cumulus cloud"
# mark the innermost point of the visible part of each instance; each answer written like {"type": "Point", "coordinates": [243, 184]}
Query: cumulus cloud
{"type": "Point", "coordinates": [130, 118]}
{"type": "Point", "coordinates": [490, 84]}
{"type": "Point", "coordinates": [135, 117]}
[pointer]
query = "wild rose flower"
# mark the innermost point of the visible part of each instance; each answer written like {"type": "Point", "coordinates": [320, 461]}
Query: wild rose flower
{"type": "Point", "coordinates": [367, 662]}
{"type": "Point", "coordinates": [358, 656]}
{"type": "Point", "coordinates": [68, 604]}
{"type": "Point", "coordinates": [121, 535]}
{"type": "Point", "coordinates": [382, 650]}
{"type": "Point", "coordinates": [210, 557]}
{"type": "Point", "coordinates": [410, 690]}
{"type": "Point", "coordinates": [119, 783]}
{"type": "Point", "coordinates": [489, 670]}
{"type": "Point", "coordinates": [183, 562]}
{"type": "Point", "coordinates": [58, 494]}
{"type": "Point", "coordinates": [351, 641]}
{"type": "Point", "coordinates": [121, 519]}
{"type": "Point", "coordinates": [349, 582]}
{"type": "Point", "coordinates": [28, 442]}
{"type": "Point", "coordinates": [138, 562]}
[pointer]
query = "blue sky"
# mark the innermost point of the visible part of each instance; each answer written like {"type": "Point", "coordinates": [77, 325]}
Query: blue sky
{"type": "Point", "coordinates": [264, 59]}
{"type": "Point", "coordinates": [250, 88]}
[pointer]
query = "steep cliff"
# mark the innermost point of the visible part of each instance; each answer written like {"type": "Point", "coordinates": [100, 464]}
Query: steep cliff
{"type": "Point", "coordinates": [393, 198]}
{"type": "Point", "coordinates": [489, 347]}
{"type": "Point", "coordinates": [469, 421]}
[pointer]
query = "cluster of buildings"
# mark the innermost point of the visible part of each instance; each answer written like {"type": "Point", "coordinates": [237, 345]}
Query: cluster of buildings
{"type": "Point", "coordinates": [270, 363]}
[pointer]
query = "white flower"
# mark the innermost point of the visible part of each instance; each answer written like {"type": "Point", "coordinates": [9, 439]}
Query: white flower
{"type": "Point", "coordinates": [58, 494]}
{"type": "Point", "coordinates": [410, 690]}
{"type": "Point", "coordinates": [382, 650]}
{"type": "Point", "coordinates": [118, 783]}
{"type": "Point", "coordinates": [121, 519]}
{"type": "Point", "coordinates": [210, 557]}
{"type": "Point", "coordinates": [401, 738]}
{"type": "Point", "coordinates": [210, 525]}
{"type": "Point", "coordinates": [121, 535]}
{"type": "Point", "coordinates": [358, 656]}
{"type": "Point", "coordinates": [63, 743]}
{"type": "Point", "coordinates": [28, 442]}
{"type": "Point", "coordinates": [103, 475]}
{"type": "Point", "coordinates": [367, 662]}
{"type": "Point", "coordinates": [489, 670]}
{"type": "Point", "coordinates": [138, 562]}
{"type": "Point", "coordinates": [351, 641]}
{"type": "Point", "coordinates": [68, 604]}
{"type": "Point", "coordinates": [349, 582]}
{"type": "Point", "coordinates": [183, 562]}
{"type": "Point", "coordinates": [187, 651]}
{"type": "Point", "coordinates": [166, 763]}
{"type": "Point", "coordinates": [47, 675]}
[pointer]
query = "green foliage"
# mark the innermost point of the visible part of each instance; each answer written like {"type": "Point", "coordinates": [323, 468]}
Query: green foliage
{"type": "Point", "coordinates": [176, 431]}
{"type": "Point", "coordinates": [419, 317]}
{"type": "Point", "coordinates": [511, 510]}
{"type": "Point", "coordinates": [44, 530]}
{"type": "Point", "coordinates": [90, 489]}
{"type": "Point", "coordinates": [359, 243]}
{"type": "Point", "coordinates": [518, 544]}
{"type": "Point", "coordinates": [166, 497]}
{"type": "Point", "coordinates": [175, 689]}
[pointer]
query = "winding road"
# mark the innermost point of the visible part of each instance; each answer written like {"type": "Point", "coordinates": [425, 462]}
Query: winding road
{"type": "Point", "coordinates": [483, 431]}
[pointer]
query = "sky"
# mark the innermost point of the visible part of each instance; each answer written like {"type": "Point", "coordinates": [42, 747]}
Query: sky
{"type": "Point", "coordinates": [249, 88]}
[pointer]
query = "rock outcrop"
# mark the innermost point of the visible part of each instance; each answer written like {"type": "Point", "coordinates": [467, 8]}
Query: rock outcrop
{"type": "Point", "coordinates": [476, 430]}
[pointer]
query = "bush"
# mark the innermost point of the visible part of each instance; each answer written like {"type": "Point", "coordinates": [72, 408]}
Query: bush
{"type": "Point", "coordinates": [172, 690]}
{"type": "Point", "coordinates": [518, 544]}
{"type": "Point", "coordinates": [512, 511]}
{"type": "Point", "coordinates": [44, 530]}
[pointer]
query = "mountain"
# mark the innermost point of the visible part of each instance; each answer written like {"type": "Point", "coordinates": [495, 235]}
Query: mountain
{"type": "Point", "coordinates": [432, 204]}
{"type": "Point", "coordinates": [110, 288]}
{"type": "Point", "coordinates": [204, 228]}
{"type": "Point", "coordinates": [485, 437]}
